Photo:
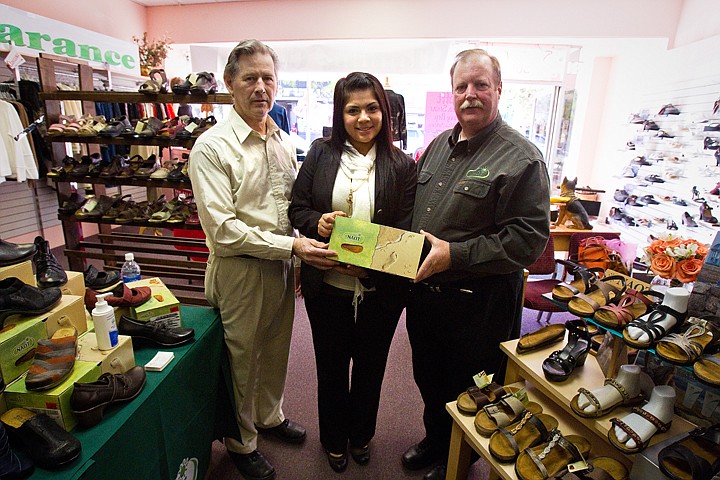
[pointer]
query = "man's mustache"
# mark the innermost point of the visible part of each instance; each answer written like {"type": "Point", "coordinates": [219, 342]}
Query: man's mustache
{"type": "Point", "coordinates": [471, 104]}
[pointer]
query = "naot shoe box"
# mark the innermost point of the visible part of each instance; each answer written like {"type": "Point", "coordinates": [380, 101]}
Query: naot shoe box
{"type": "Point", "coordinates": [376, 247]}
{"type": "Point", "coordinates": [54, 402]}
{"type": "Point", "coordinates": [23, 271]}
{"type": "Point", "coordinates": [119, 359]}
{"type": "Point", "coordinates": [162, 306]}
{"type": "Point", "coordinates": [18, 341]}
{"type": "Point", "coordinates": [75, 284]}
{"type": "Point", "coordinates": [70, 311]}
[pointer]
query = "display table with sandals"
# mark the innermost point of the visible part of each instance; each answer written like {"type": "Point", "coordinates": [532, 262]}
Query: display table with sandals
{"type": "Point", "coordinates": [171, 423]}
{"type": "Point", "coordinates": [586, 417]}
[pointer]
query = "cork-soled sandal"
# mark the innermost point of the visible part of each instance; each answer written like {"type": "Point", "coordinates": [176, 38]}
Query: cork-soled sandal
{"type": "Point", "coordinates": [601, 468]}
{"type": "Point", "coordinates": [695, 456]}
{"type": "Point", "coordinates": [608, 290]}
{"type": "Point", "coordinates": [474, 398]}
{"type": "Point", "coordinates": [684, 348]}
{"type": "Point", "coordinates": [601, 410]}
{"type": "Point", "coordinates": [630, 306]}
{"type": "Point", "coordinates": [506, 443]}
{"type": "Point", "coordinates": [551, 458]}
{"type": "Point", "coordinates": [584, 279]}
{"type": "Point", "coordinates": [543, 337]}
{"type": "Point", "coordinates": [507, 410]}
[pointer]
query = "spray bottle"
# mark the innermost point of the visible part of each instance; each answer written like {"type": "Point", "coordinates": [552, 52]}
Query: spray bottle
{"type": "Point", "coordinates": [105, 329]}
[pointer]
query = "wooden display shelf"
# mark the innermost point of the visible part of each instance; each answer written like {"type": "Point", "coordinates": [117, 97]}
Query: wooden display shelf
{"type": "Point", "coordinates": [128, 181]}
{"type": "Point", "coordinates": [555, 399]}
{"type": "Point", "coordinates": [97, 139]}
{"type": "Point", "coordinates": [136, 97]}
{"type": "Point", "coordinates": [110, 221]}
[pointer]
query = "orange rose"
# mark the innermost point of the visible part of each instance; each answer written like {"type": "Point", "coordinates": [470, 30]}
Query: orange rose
{"type": "Point", "coordinates": [702, 250]}
{"type": "Point", "coordinates": [675, 242]}
{"type": "Point", "coordinates": [657, 246]}
{"type": "Point", "coordinates": [688, 270]}
{"type": "Point", "coordinates": [663, 265]}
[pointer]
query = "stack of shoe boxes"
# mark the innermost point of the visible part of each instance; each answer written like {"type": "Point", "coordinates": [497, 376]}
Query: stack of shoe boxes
{"type": "Point", "coordinates": [19, 340]}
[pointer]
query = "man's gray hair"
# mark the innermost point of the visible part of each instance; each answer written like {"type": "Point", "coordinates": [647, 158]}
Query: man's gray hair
{"type": "Point", "coordinates": [247, 48]}
{"type": "Point", "coordinates": [477, 52]}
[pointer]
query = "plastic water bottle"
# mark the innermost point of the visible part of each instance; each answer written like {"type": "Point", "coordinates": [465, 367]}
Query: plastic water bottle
{"type": "Point", "coordinates": [130, 270]}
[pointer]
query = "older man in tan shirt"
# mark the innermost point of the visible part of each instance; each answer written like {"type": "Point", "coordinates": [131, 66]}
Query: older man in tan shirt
{"type": "Point", "coordinates": [242, 171]}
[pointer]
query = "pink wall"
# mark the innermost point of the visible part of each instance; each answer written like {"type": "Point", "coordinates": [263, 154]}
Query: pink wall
{"type": "Point", "coordinates": [117, 18]}
{"type": "Point", "coordinates": [330, 19]}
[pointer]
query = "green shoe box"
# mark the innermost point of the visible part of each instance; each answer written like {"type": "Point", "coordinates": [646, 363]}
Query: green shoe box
{"type": "Point", "coordinates": [54, 402]}
{"type": "Point", "coordinates": [18, 341]}
{"type": "Point", "coordinates": [118, 359]}
{"type": "Point", "coordinates": [376, 247]}
{"type": "Point", "coordinates": [162, 307]}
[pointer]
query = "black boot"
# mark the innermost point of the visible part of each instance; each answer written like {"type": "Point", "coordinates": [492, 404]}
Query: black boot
{"type": "Point", "coordinates": [48, 271]}
{"type": "Point", "coordinates": [12, 254]}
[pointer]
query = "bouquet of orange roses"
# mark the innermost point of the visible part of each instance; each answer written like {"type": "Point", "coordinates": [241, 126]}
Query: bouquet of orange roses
{"type": "Point", "coordinates": [676, 258]}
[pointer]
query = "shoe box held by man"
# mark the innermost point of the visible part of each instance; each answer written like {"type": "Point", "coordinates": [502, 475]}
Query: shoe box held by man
{"type": "Point", "coordinates": [377, 247]}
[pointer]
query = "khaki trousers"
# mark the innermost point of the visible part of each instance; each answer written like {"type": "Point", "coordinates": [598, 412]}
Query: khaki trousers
{"type": "Point", "coordinates": [256, 299]}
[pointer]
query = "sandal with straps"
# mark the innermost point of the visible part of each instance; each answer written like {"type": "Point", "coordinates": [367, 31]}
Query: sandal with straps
{"type": "Point", "coordinates": [684, 348]}
{"type": "Point", "coordinates": [600, 410]}
{"type": "Point", "coordinates": [600, 468]}
{"type": "Point", "coordinates": [474, 398]}
{"type": "Point", "coordinates": [607, 290]}
{"type": "Point", "coordinates": [507, 410]}
{"type": "Point", "coordinates": [583, 280]}
{"type": "Point", "coordinates": [639, 442]}
{"type": "Point", "coordinates": [630, 306]}
{"type": "Point", "coordinates": [561, 363]}
{"type": "Point", "coordinates": [553, 457]}
{"type": "Point", "coordinates": [696, 455]}
{"type": "Point", "coordinates": [650, 324]}
{"type": "Point", "coordinates": [533, 429]}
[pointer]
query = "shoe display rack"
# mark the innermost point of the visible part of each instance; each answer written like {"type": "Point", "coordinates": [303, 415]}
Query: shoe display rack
{"type": "Point", "coordinates": [672, 156]}
{"type": "Point", "coordinates": [164, 255]}
{"type": "Point", "coordinates": [555, 399]}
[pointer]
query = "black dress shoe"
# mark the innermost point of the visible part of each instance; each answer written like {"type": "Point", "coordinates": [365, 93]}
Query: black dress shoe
{"type": "Point", "coordinates": [253, 466]}
{"type": "Point", "coordinates": [421, 455]}
{"type": "Point", "coordinates": [361, 455]}
{"type": "Point", "coordinates": [12, 254]}
{"type": "Point", "coordinates": [338, 462]}
{"type": "Point", "coordinates": [288, 431]}
{"type": "Point", "coordinates": [46, 442]}
{"type": "Point", "coordinates": [437, 473]}
{"type": "Point", "coordinates": [13, 465]}
{"type": "Point", "coordinates": [88, 400]}
{"type": "Point", "coordinates": [101, 281]}
{"type": "Point", "coordinates": [155, 333]}
{"type": "Point", "coordinates": [16, 297]}
{"type": "Point", "coordinates": [48, 271]}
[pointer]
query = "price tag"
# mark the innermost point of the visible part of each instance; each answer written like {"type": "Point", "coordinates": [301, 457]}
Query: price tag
{"type": "Point", "coordinates": [578, 466]}
{"type": "Point", "coordinates": [192, 126]}
{"type": "Point", "coordinates": [522, 395]}
{"type": "Point", "coordinates": [139, 126]}
{"type": "Point", "coordinates": [482, 380]}
{"type": "Point", "coordinates": [14, 59]}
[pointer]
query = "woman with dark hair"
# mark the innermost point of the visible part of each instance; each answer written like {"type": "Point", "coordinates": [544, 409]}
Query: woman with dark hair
{"type": "Point", "coordinates": [356, 172]}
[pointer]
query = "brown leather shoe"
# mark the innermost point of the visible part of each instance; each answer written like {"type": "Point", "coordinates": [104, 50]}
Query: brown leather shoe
{"type": "Point", "coordinates": [88, 400]}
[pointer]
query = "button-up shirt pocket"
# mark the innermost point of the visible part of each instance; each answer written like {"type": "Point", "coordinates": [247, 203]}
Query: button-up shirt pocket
{"type": "Point", "coordinates": [471, 205]}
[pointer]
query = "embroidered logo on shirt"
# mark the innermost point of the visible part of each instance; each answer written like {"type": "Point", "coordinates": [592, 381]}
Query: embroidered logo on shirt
{"type": "Point", "coordinates": [480, 172]}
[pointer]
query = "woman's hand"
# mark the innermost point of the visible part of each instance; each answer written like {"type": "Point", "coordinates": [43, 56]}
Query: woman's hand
{"type": "Point", "coordinates": [327, 222]}
{"type": "Point", "coordinates": [351, 270]}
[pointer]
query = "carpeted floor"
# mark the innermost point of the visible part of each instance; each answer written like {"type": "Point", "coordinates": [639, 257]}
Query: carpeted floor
{"type": "Point", "coordinates": [399, 420]}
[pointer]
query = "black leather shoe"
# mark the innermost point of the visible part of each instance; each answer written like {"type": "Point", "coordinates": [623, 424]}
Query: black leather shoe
{"type": "Point", "coordinates": [46, 442]}
{"type": "Point", "coordinates": [253, 466]}
{"type": "Point", "coordinates": [157, 334]}
{"type": "Point", "coordinates": [421, 455]}
{"type": "Point", "coordinates": [16, 297]}
{"type": "Point", "coordinates": [88, 400]}
{"type": "Point", "coordinates": [437, 473]}
{"type": "Point", "coordinates": [287, 431]}
{"type": "Point", "coordinates": [13, 465]}
{"type": "Point", "coordinates": [361, 455]}
{"type": "Point", "coordinates": [12, 254]}
{"type": "Point", "coordinates": [101, 281]}
{"type": "Point", "coordinates": [337, 462]}
{"type": "Point", "coordinates": [48, 271]}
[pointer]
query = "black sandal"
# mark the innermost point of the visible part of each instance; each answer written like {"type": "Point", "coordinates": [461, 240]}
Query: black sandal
{"type": "Point", "coordinates": [651, 326]}
{"type": "Point", "coordinates": [561, 363]}
{"type": "Point", "coordinates": [695, 456]}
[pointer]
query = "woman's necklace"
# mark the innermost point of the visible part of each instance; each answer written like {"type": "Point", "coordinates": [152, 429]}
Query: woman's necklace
{"type": "Point", "coordinates": [349, 198]}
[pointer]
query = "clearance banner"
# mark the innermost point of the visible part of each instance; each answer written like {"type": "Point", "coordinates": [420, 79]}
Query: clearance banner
{"type": "Point", "coordinates": [31, 34]}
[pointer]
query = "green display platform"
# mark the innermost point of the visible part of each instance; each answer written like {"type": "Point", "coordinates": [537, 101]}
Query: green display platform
{"type": "Point", "coordinates": [167, 431]}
